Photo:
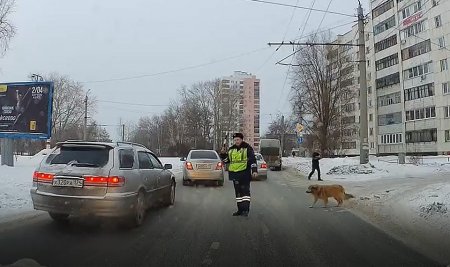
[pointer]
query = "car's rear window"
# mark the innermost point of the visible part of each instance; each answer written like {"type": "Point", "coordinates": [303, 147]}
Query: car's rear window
{"type": "Point", "coordinates": [203, 155]}
{"type": "Point", "coordinates": [80, 156]}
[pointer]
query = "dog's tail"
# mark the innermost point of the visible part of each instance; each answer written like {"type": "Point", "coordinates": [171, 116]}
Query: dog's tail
{"type": "Point", "coordinates": [348, 196]}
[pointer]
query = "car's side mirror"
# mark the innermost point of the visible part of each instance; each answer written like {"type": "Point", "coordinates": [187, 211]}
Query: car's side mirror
{"type": "Point", "coordinates": [183, 159]}
{"type": "Point", "coordinates": [168, 166]}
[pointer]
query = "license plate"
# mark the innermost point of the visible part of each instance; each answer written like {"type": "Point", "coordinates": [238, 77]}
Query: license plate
{"type": "Point", "coordinates": [68, 182]}
{"type": "Point", "coordinates": [203, 166]}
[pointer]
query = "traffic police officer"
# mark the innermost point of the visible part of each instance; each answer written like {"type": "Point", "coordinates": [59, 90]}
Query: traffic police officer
{"type": "Point", "coordinates": [242, 167]}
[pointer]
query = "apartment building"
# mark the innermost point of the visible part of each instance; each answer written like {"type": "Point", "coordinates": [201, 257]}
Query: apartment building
{"type": "Point", "coordinates": [240, 106]}
{"type": "Point", "coordinates": [409, 90]}
{"type": "Point", "coordinates": [344, 61]}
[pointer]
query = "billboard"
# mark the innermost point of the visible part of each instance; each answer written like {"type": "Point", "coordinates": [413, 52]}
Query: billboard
{"type": "Point", "coordinates": [26, 110]}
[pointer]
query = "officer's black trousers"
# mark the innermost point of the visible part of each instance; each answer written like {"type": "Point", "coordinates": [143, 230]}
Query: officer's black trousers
{"type": "Point", "coordinates": [242, 190]}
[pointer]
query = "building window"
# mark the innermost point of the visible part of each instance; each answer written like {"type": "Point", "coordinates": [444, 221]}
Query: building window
{"type": "Point", "coordinates": [348, 120]}
{"type": "Point", "coordinates": [386, 43]}
{"type": "Point", "coordinates": [347, 82]}
{"type": "Point", "coordinates": [421, 113]}
{"type": "Point", "coordinates": [444, 64]}
{"type": "Point", "coordinates": [387, 80]}
{"type": "Point", "coordinates": [418, 92]}
{"type": "Point", "coordinates": [411, 10]}
{"type": "Point", "coordinates": [371, 131]}
{"type": "Point", "coordinates": [349, 107]}
{"type": "Point", "coordinates": [438, 21]}
{"type": "Point", "coordinates": [427, 135]}
{"type": "Point", "coordinates": [389, 99]}
{"type": "Point", "coordinates": [370, 117]}
{"type": "Point", "coordinates": [387, 139]}
{"type": "Point", "coordinates": [413, 29]}
{"type": "Point", "coordinates": [349, 145]}
{"type": "Point", "coordinates": [372, 145]}
{"type": "Point", "coordinates": [441, 41]}
{"type": "Point", "coordinates": [384, 25]}
{"type": "Point", "coordinates": [369, 89]}
{"type": "Point", "coordinates": [386, 62]}
{"type": "Point", "coordinates": [447, 135]}
{"type": "Point", "coordinates": [446, 88]}
{"type": "Point", "coordinates": [382, 8]}
{"type": "Point", "coordinates": [390, 119]}
{"type": "Point", "coordinates": [417, 71]}
{"type": "Point", "coordinates": [447, 112]}
{"type": "Point", "coordinates": [416, 50]}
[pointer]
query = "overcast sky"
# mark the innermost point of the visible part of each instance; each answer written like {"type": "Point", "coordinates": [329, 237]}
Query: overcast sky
{"type": "Point", "coordinates": [92, 40]}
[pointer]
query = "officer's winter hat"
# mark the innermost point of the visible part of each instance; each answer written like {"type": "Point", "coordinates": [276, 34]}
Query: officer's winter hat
{"type": "Point", "coordinates": [240, 135]}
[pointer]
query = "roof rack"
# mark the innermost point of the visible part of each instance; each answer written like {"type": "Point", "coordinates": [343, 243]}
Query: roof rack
{"type": "Point", "coordinates": [131, 143]}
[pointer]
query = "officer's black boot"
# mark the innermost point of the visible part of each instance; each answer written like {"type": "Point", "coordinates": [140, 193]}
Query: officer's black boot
{"type": "Point", "coordinates": [240, 209]}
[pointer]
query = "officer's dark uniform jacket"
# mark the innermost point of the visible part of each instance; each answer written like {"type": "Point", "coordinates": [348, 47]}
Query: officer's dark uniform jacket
{"type": "Point", "coordinates": [242, 163]}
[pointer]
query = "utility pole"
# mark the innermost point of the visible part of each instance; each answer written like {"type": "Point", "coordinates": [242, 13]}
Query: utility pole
{"type": "Point", "coordinates": [123, 132]}
{"type": "Point", "coordinates": [282, 135]}
{"type": "Point", "coordinates": [85, 117]}
{"type": "Point", "coordinates": [363, 131]}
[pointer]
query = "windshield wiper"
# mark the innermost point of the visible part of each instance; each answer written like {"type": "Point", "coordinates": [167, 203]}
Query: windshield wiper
{"type": "Point", "coordinates": [83, 164]}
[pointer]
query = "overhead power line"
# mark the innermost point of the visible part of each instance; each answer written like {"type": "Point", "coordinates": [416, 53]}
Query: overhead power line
{"type": "Point", "coordinates": [175, 70]}
{"type": "Point", "coordinates": [284, 37]}
{"type": "Point", "coordinates": [133, 104]}
{"type": "Point", "coordinates": [302, 7]}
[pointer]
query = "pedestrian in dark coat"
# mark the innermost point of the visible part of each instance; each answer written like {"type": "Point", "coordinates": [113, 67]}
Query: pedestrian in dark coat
{"type": "Point", "coordinates": [315, 165]}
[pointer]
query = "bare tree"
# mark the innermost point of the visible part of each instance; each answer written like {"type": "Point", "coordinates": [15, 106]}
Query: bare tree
{"type": "Point", "coordinates": [68, 106]}
{"type": "Point", "coordinates": [7, 30]}
{"type": "Point", "coordinates": [322, 79]}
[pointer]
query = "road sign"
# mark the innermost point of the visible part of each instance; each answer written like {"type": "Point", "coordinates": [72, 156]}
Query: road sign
{"type": "Point", "coordinates": [26, 110]}
{"type": "Point", "coordinates": [299, 128]}
{"type": "Point", "coordinates": [300, 140]}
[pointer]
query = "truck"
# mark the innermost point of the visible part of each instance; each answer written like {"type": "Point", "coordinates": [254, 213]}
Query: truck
{"type": "Point", "coordinates": [270, 149]}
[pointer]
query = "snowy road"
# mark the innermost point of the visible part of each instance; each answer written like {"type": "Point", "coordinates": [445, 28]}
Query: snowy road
{"type": "Point", "coordinates": [200, 231]}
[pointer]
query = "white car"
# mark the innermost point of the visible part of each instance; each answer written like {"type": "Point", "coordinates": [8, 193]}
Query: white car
{"type": "Point", "coordinates": [262, 167]}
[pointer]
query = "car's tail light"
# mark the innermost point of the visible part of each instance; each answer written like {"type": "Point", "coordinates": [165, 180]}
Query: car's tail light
{"type": "Point", "coordinates": [106, 181]}
{"type": "Point", "coordinates": [263, 166]}
{"type": "Point", "coordinates": [42, 177]}
{"type": "Point", "coordinates": [189, 166]}
{"type": "Point", "coordinates": [219, 166]}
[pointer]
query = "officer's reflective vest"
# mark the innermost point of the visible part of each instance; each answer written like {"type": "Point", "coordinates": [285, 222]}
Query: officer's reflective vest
{"type": "Point", "coordinates": [238, 160]}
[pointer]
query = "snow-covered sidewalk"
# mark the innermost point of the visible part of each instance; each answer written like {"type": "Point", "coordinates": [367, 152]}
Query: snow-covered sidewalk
{"type": "Point", "coordinates": [411, 202]}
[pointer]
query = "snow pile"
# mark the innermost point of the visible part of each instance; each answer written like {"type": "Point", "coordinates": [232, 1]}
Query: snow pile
{"type": "Point", "coordinates": [15, 184]}
{"type": "Point", "coordinates": [435, 208]}
{"type": "Point", "coordinates": [176, 163]}
{"type": "Point", "coordinates": [380, 167]}
{"type": "Point", "coordinates": [352, 169]}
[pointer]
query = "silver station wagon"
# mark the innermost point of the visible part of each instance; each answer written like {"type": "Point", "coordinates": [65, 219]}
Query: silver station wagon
{"type": "Point", "coordinates": [101, 179]}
